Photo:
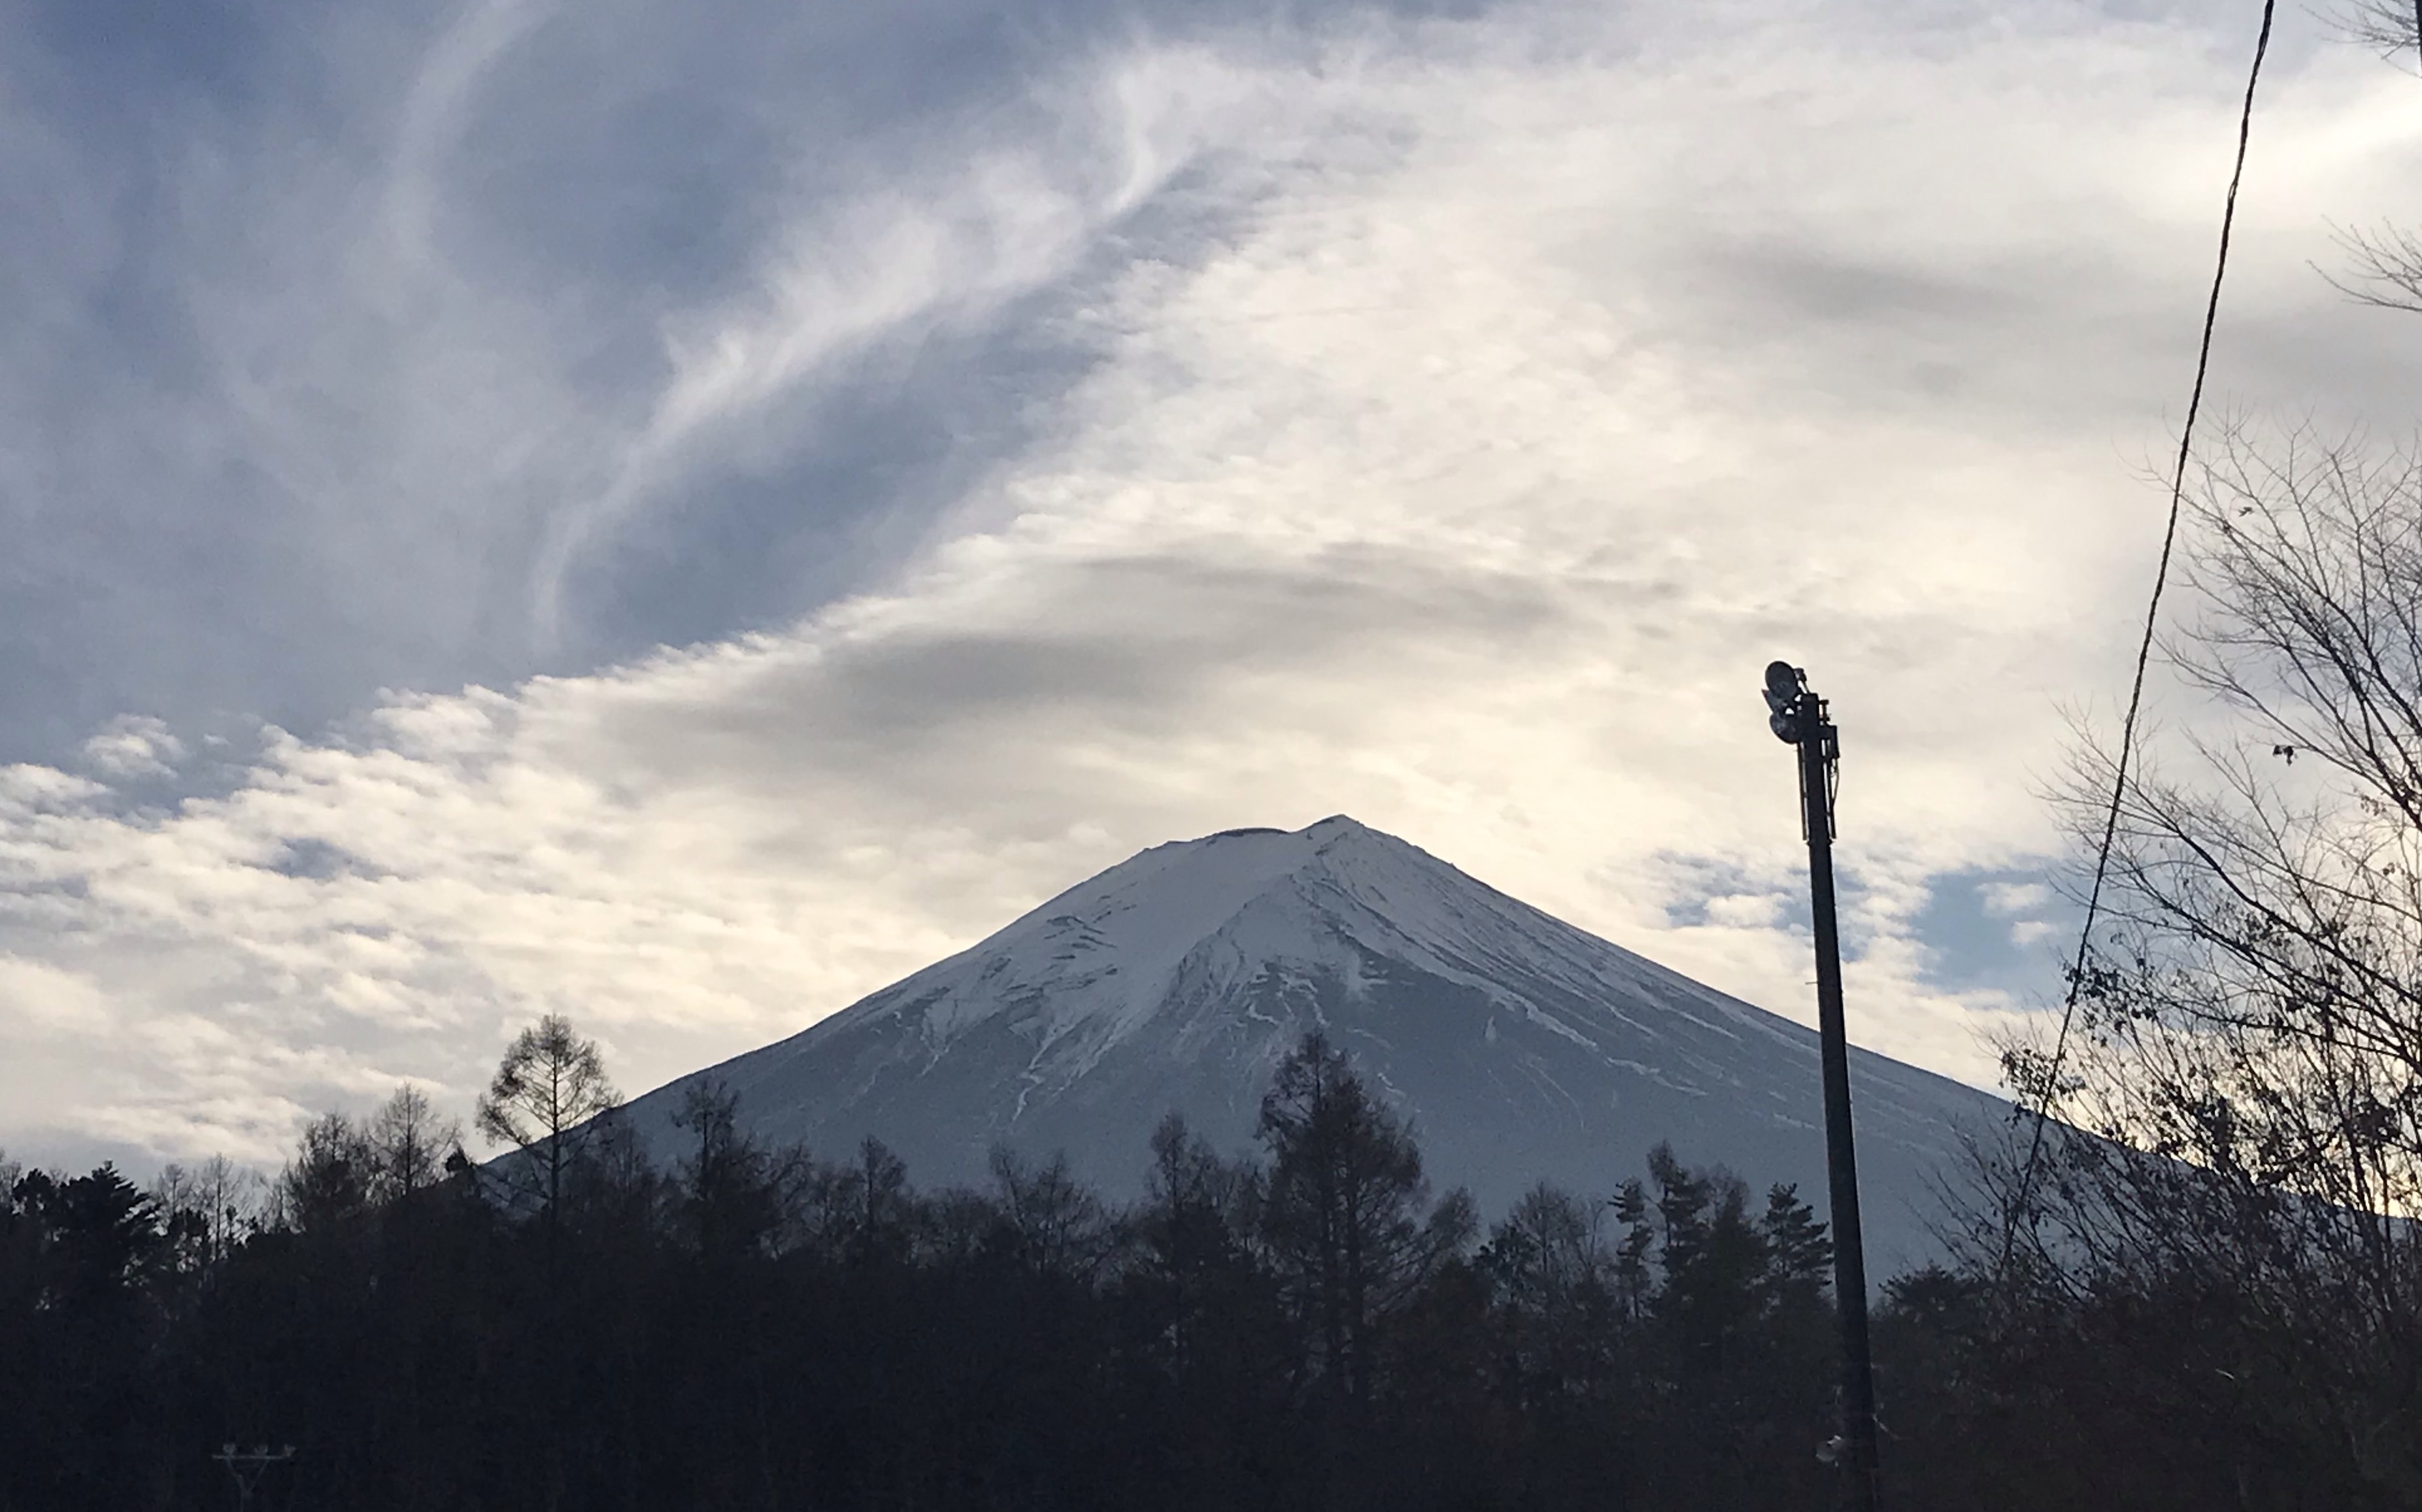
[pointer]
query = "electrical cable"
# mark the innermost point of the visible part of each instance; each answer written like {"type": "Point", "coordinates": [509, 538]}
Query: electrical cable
{"type": "Point", "coordinates": [2144, 647]}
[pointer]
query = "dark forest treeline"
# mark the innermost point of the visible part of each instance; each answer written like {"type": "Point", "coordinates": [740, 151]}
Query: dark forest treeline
{"type": "Point", "coordinates": [1309, 1328]}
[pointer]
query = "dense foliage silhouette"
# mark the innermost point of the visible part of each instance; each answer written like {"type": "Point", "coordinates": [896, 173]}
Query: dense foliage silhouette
{"type": "Point", "coordinates": [1305, 1326]}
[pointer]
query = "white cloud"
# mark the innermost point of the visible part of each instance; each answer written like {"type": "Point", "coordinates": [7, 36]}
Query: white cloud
{"type": "Point", "coordinates": [135, 746]}
{"type": "Point", "coordinates": [2003, 900]}
{"type": "Point", "coordinates": [1520, 404]}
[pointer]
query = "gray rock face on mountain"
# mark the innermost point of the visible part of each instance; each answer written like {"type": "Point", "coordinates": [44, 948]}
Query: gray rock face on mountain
{"type": "Point", "coordinates": [1520, 1047]}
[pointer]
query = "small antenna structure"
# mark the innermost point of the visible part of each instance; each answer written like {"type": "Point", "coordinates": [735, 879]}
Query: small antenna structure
{"type": "Point", "coordinates": [248, 1465]}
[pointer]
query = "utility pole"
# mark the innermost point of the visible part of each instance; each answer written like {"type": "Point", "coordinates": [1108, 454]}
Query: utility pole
{"type": "Point", "coordinates": [1798, 718]}
{"type": "Point", "coordinates": [247, 1466]}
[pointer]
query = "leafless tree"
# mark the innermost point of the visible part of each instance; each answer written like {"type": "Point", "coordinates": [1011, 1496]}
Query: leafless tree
{"type": "Point", "coordinates": [409, 1144]}
{"type": "Point", "coordinates": [2385, 264]}
{"type": "Point", "coordinates": [2241, 1095]}
{"type": "Point", "coordinates": [2391, 26]}
{"type": "Point", "coordinates": [546, 1100]}
{"type": "Point", "coordinates": [211, 1209]}
{"type": "Point", "coordinates": [1347, 1216]}
{"type": "Point", "coordinates": [328, 1180]}
{"type": "Point", "coordinates": [1057, 1224]}
{"type": "Point", "coordinates": [734, 1195]}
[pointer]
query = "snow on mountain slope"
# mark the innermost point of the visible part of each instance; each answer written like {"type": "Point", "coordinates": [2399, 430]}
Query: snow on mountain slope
{"type": "Point", "coordinates": [1522, 1047]}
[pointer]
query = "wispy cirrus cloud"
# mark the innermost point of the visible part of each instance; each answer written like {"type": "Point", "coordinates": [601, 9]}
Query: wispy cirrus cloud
{"type": "Point", "coordinates": [943, 249]}
{"type": "Point", "coordinates": [399, 348]}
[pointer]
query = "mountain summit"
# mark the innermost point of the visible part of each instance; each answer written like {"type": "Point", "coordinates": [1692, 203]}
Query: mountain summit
{"type": "Point", "coordinates": [1521, 1048]}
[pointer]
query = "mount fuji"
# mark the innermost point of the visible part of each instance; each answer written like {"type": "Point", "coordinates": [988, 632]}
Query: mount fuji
{"type": "Point", "coordinates": [1520, 1047]}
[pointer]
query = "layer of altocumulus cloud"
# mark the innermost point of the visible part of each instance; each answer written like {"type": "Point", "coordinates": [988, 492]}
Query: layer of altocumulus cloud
{"type": "Point", "coordinates": [1541, 382]}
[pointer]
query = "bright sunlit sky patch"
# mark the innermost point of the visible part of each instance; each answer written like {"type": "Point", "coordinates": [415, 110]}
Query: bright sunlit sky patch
{"type": "Point", "coordinates": [682, 515]}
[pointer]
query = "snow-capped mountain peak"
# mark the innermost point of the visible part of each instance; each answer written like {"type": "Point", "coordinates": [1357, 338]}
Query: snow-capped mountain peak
{"type": "Point", "coordinates": [1101, 957]}
{"type": "Point", "coordinates": [1523, 1048]}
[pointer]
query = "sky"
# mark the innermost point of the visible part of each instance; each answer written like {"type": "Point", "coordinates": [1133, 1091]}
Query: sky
{"type": "Point", "coordinates": [679, 516]}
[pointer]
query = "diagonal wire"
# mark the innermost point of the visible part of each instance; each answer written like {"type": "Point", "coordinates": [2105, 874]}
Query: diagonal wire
{"type": "Point", "coordinates": [2144, 647]}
